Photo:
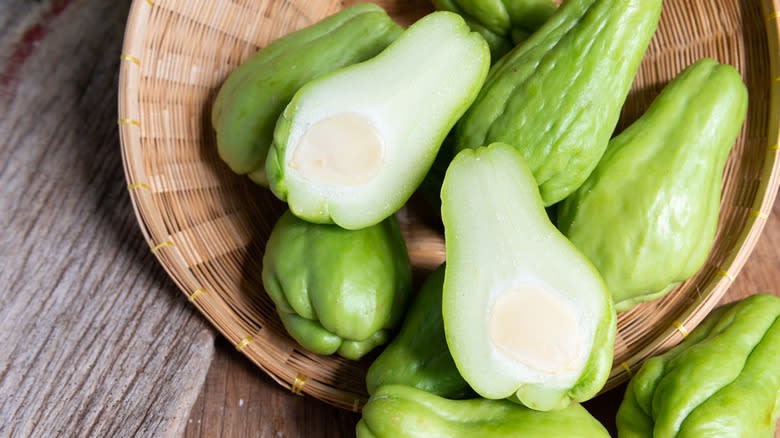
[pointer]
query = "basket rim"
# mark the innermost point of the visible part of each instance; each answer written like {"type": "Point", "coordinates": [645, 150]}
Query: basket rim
{"type": "Point", "coordinates": [129, 135]}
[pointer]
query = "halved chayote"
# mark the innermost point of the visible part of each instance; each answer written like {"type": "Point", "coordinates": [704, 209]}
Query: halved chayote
{"type": "Point", "coordinates": [526, 315]}
{"type": "Point", "coordinates": [353, 145]}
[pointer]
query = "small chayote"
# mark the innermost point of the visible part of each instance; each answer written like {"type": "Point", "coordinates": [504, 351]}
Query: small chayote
{"type": "Point", "coordinates": [337, 290]}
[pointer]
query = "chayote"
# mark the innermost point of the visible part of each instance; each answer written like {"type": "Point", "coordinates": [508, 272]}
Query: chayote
{"type": "Point", "coordinates": [353, 145]}
{"type": "Point", "coordinates": [557, 96]}
{"type": "Point", "coordinates": [255, 94]}
{"type": "Point", "coordinates": [396, 411]}
{"type": "Point", "coordinates": [418, 356]}
{"type": "Point", "coordinates": [646, 217]}
{"type": "Point", "coordinates": [337, 290]}
{"type": "Point", "coordinates": [503, 23]}
{"type": "Point", "coordinates": [526, 315]}
{"type": "Point", "coordinates": [723, 380]}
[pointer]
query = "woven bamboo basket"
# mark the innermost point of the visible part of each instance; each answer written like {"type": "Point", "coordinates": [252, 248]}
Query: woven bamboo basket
{"type": "Point", "coordinates": [208, 226]}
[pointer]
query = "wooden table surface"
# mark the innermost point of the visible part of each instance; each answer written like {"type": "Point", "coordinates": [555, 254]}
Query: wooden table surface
{"type": "Point", "coordinates": [96, 339]}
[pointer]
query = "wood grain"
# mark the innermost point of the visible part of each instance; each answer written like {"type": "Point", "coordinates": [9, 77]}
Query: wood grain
{"type": "Point", "coordinates": [96, 339]}
{"type": "Point", "coordinates": [239, 400]}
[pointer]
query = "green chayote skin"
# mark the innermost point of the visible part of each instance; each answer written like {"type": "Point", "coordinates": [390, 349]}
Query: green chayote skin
{"type": "Point", "coordinates": [337, 290]}
{"type": "Point", "coordinates": [503, 23]}
{"type": "Point", "coordinates": [723, 380]}
{"type": "Point", "coordinates": [557, 97]}
{"type": "Point", "coordinates": [647, 215]}
{"type": "Point", "coordinates": [418, 356]}
{"type": "Point", "coordinates": [255, 94]}
{"type": "Point", "coordinates": [396, 411]}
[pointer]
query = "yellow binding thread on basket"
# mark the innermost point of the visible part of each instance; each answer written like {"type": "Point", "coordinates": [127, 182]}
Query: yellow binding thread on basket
{"type": "Point", "coordinates": [774, 147]}
{"type": "Point", "coordinates": [681, 328]}
{"type": "Point", "coordinates": [759, 214]}
{"type": "Point", "coordinates": [244, 342]}
{"type": "Point", "coordinates": [129, 122]}
{"type": "Point", "coordinates": [726, 274]}
{"type": "Point", "coordinates": [628, 370]}
{"type": "Point", "coordinates": [138, 186]}
{"type": "Point", "coordinates": [161, 245]}
{"type": "Point", "coordinates": [196, 294]}
{"type": "Point", "coordinates": [356, 405]}
{"type": "Point", "coordinates": [151, 3]}
{"type": "Point", "coordinates": [773, 16]}
{"type": "Point", "coordinates": [297, 385]}
{"type": "Point", "coordinates": [131, 58]}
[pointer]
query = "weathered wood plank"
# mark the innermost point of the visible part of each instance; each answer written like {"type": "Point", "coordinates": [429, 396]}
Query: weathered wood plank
{"type": "Point", "coordinates": [97, 340]}
{"type": "Point", "coordinates": [239, 400]}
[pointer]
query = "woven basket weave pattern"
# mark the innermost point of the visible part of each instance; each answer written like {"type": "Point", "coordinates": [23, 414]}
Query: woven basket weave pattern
{"type": "Point", "coordinates": [208, 227]}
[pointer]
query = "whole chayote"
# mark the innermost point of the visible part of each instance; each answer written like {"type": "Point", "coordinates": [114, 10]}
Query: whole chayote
{"type": "Point", "coordinates": [557, 97]}
{"type": "Point", "coordinates": [723, 380]}
{"type": "Point", "coordinates": [396, 411]}
{"type": "Point", "coordinates": [418, 356]}
{"type": "Point", "coordinates": [647, 215]}
{"type": "Point", "coordinates": [503, 23]}
{"type": "Point", "coordinates": [337, 290]}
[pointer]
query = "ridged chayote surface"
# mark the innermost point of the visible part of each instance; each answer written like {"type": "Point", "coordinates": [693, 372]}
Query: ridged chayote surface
{"type": "Point", "coordinates": [723, 380]}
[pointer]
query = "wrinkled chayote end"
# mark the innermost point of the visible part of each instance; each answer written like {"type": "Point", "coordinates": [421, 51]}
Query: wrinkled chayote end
{"type": "Point", "coordinates": [353, 145]}
{"type": "Point", "coordinates": [254, 95]}
{"type": "Point", "coordinates": [723, 380]}
{"type": "Point", "coordinates": [396, 411]}
{"type": "Point", "coordinates": [526, 315]}
{"type": "Point", "coordinates": [418, 356]}
{"type": "Point", "coordinates": [503, 23]}
{"type": "Point", "coordinates": [337, 290]}
{"type": "Point", "coordinates": [557, 97]}
{"type": "Point", "coordinates": [647, 215]}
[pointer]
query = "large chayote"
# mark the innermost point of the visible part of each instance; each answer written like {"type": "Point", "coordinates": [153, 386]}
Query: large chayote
{"type": "Point", "coordinates": [396, 411]}
{"type": "Point", "coordinates": [557, 96]}
{"type": "Point", "coordinates": [526, 315]}
{"type": "Point", "coordinates": [503, 23]}
{"type": "Point", "coordinates": [647, 215]}
{"type": "Point", "coordinates": [418, 356]}
{"type": "Point", "coordinates": [723, 380]}
{"type": "Point", "coordinates": [337, 290]}
{"type": "Point", "coordinates": [254, 95]}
